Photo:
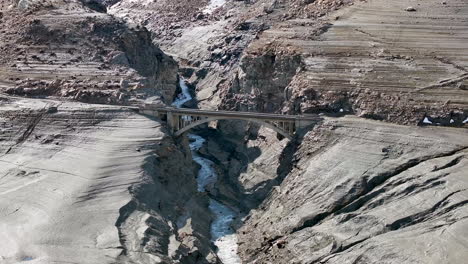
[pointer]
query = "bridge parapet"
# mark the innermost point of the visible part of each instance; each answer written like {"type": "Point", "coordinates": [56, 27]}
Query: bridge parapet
{"type": "Point", "coordinates": [181, 120]}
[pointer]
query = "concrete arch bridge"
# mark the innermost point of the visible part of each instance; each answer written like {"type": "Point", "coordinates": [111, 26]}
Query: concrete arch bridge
{"type": "Point", "coordinates": [180, 120]}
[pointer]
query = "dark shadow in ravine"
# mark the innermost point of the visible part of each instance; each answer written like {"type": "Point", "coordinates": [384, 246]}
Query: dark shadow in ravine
{"type": "Point", "coordinates": [232, 160]}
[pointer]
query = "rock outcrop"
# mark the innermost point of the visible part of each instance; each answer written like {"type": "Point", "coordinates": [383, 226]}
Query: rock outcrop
{"type": "Point", "coordinates": [65, 49]}
{"type": "Point", "coordinates": [365, 192]}
{"type": "Point", "coordinates": [367, 58]}
{"type": "Point", "coordinates": [371, 59]}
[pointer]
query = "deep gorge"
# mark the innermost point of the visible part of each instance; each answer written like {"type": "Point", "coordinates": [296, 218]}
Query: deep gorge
{"type": "Point", "coordinates": [87, 178]}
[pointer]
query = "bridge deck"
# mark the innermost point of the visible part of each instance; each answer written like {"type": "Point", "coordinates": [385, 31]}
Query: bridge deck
{"type": "Point", "coordinates": [234, 114]}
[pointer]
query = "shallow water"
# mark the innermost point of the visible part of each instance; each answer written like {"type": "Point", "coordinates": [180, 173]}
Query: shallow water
{"type": "Point", "coordinates": [206, 174]}
{"type": "Point", "coordinates": [222, 235]}
{"type": "Point", "coordinates": [183, 97]}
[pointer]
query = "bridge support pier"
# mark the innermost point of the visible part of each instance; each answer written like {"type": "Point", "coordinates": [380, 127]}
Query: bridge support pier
{"type": "Point", "coordinates": [171, 121]}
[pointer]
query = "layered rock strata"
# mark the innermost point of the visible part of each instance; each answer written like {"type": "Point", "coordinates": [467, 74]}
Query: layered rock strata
{"type": "Point", "coordinates": [96, 184]}
{"type": "Point", "coordinates": [365, 192]}
{"type": "Point", "coordinates": [65, 49]}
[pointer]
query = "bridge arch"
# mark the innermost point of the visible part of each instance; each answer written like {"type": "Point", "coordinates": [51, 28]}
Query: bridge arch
{"type": "Point", "coordinates": [209, 119]}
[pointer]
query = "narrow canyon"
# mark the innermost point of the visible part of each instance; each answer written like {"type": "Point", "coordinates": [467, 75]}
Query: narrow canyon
{"type": "Point", "coordinates": [233, 131]}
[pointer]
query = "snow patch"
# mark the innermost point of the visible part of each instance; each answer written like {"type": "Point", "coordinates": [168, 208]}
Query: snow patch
{"type": "Point", "coordinates": [214, 4]}
{"type": "Point", "coordinates": [465, 121]}
{"type": "Point", "coordinates": [426, 121]}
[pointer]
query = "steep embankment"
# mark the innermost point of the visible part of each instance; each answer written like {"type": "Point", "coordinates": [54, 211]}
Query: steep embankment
{"type": "Point", "coordinates": [65, 49]}
{"type": "Point", "coordinates": [89, 183]}
{"type": "Point", "coordinates": [96, 181]}
{"type": "Point", "coordinates": [366, 192]}
{"type": "Point", "coordinates": [210, 44]}
{"type": "Point", "coordinates": [352, 190]}
{"type": "Point", "coordinates": [372, 59]}
{"type": "Point", "coordinates": [369, 58]}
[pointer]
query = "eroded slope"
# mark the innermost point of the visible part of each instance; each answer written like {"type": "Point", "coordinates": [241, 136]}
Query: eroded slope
{"type": "Point", "coordinates": [373, 59]}
{"type": "Point", "coordinates": [65, 49]}
{"type": "Point", "coordinates": [95, 184]}
{"type": "Point", "coordinates": [366, 192]}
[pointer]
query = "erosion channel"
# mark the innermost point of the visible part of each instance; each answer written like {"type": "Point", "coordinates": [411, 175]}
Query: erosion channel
{"type": "Point", "coordinates": [222, 234]}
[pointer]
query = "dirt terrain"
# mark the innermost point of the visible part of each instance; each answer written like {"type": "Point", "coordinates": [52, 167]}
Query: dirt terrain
{"type": "Point", "coordinates": [65, 49]}
{"type": "Point", "coordinates": [80, 184]}
{"type": "Point", "coordinates": [369, 58]}
{"type": "Point", "coordinates": [381, 179]}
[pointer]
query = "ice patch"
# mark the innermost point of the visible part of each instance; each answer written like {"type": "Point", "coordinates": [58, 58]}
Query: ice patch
{"type": "Point", "coordinates": [183, 97]}
{"type": "Point", "coordinates": [426, 121]}
{"type": "Point", "coordinates": [214, 4]}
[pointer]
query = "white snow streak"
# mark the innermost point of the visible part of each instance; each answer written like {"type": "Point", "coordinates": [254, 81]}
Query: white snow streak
{"type": "Point", "coordinates": [214, 4]}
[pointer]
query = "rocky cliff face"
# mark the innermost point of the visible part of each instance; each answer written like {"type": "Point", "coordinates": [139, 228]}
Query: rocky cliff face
{"type": "Point", "coordinates": [318, 56]}
{"type": "Point", "coordinates": [65, 49]}
{"type": "Point", "coordinates": [365, 192]}
{"type": "Point", "coordinates": [307, 58]}
{"type": "Point", "coordinates": [353, 61]}
{"type": "Point", "coordinates": [90, 183]}
{"type": "Point", "coordinates": [351, 190]}
{"type": "Point", "coordinates": [209, 44]}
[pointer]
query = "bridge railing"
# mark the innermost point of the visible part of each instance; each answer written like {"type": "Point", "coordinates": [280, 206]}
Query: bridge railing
{"type": "Point", "coordinates": [181, 118]}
